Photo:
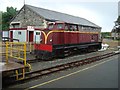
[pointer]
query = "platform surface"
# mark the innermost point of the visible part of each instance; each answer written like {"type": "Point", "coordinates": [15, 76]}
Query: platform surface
{"type": "Point", "coordinates": [10, 66]}
{"type": "Point", "coordinates": [101, 74]}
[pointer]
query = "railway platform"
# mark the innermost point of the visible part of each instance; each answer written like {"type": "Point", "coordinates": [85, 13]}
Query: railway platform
{"type": "Point", "coordinates": [10, 66]}
{"type": "Point", "coordinates": [17, 62]}
{"type": "Point", "coordinates": [30, 58]}
{"type": "Point", "coordinates": [14, 61]}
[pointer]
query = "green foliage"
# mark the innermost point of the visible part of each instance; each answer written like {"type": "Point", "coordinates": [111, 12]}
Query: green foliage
{"type": "Point", "coordinates": [105, 34]}
{"type": "Point", "coordinates": [0, 20]}
{"type": "Point", "coordinates": [7, 16]}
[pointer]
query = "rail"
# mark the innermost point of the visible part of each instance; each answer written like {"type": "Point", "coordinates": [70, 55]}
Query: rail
{"type": "Point", "coordinates": [46, 71]}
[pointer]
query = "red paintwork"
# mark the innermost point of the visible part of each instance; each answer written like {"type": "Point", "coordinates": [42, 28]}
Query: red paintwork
{"type": "Point", "coordinates": [18, 29]}
{"type": "Point", "coordinates": [71, 38]}
{"type": "Point", "coordinates": [43, 38]}
{"type": "Point", "coordinates": [27, 36]}
{"type": "Point", "coordinates": [59, 38]}
{"type": "Point", "coordinates": [22, 29]}
{"type": "Point", "coordinates": [43, 47]}
{"type": "Point", "coordinates": [31, 36]}
{"type": "Point", "coordinates": [11, 35]}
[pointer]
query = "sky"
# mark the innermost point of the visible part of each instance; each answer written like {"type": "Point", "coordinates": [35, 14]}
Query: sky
{"type": "Point", "coordinates": [101, 12]}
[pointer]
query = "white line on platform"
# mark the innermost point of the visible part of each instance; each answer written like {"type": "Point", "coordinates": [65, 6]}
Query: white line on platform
{"type": "Point", "coordinates": [35, 86]}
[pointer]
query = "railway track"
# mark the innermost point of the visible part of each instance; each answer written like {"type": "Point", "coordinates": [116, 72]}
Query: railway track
{"type": "Point", "coordinates": [38, 73]}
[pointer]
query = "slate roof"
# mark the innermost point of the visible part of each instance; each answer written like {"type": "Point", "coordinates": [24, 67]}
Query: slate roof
{"type": "Point", "coordinates": [54, 15]}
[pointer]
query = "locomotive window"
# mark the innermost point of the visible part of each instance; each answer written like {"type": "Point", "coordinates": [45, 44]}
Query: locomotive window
{"type": "Point", "coordinates": [74, 28]}
{"type": "Point", "coordinates": [50, 26]}
{"type": "Point", "coordinates": [66, 27]}
{"type": "Point", "coordinates": [59, 26]}
{"type": "Point", "coordinates": [71, 28]}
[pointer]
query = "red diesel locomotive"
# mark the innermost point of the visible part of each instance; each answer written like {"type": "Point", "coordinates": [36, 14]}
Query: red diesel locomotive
{"type": "Point", "coordinates": [61, 39]}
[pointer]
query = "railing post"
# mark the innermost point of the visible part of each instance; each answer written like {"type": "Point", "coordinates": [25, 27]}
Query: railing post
{"type": "Point", "coordinates": [6, 52]}
{"type": "Point", "coordinates": [24, 54]}
{"type": "Point", "coordinates": [30, 47]}
{"type": "Point", "coordinates": [11, 52]}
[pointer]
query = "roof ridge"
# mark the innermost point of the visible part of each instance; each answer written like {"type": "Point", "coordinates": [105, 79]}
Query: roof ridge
{"type": "Point", "coordinates": [55, 11]}
{"type": "Point", "coordinates": [55, 15]}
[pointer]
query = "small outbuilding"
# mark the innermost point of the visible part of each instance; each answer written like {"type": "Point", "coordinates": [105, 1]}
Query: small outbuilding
{"type": "Point", "coordinates": [115, 33]}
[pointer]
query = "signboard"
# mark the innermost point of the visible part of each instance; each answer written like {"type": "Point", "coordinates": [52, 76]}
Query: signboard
{"type": "Point", "coordinates": [30, 28]}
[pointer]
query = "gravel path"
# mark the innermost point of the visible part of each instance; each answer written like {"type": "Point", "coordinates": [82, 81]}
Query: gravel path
{"type": "Point", "coordinates": [47, 64]}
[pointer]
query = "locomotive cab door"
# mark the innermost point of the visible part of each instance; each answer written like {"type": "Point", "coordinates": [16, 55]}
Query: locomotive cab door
{"type": "Point", "coordinates": [37, 36]}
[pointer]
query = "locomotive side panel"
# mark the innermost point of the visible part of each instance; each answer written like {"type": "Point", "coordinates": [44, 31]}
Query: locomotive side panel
{"type": "Point", "coordinates": [49, 39]}
{"type": "Point", "coordinates": [66, 38]}
{"type": "Point", "coordinates": [43, 38]}
{"type": "Point", "coordinates": [73, 37]}
{"type": "Point", "coordinates": [58, 38]}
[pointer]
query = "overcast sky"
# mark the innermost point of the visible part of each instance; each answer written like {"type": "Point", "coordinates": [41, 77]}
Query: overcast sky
{"type": "Point", "coordinates": [102, 13]}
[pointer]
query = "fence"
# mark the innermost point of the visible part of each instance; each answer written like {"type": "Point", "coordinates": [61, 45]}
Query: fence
{"type": "Point", "coordinates": [17, 50]}
{"type": "Point", "coordinates": [29, 48]}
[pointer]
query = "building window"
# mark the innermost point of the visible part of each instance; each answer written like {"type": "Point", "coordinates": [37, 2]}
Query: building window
{"type": "Point", "coordinates": [50, 26]}
{"type": "Point", "coordinates": [19, 33]}
{"type": "Point", "coordinates": [15, 25]}
{"type": "Point", "coordinates": [37, 33]}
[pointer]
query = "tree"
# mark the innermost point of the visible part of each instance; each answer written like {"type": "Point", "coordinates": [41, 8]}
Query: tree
{"type": "Point", "coordinates": [7, 16]}
{"type": "Point", "coordinates": [105, 34]}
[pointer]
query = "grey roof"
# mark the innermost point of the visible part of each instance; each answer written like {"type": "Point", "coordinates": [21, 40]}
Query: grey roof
{"type": "Point", "coordinates": [53, 15]}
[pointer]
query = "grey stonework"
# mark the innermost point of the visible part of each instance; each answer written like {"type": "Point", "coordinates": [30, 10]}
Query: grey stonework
{"type": "Point", "coordinates": [27, 17]}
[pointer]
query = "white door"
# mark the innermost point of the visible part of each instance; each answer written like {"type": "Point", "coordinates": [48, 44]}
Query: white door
{"type": "Point", "coordinates": [37, 36]}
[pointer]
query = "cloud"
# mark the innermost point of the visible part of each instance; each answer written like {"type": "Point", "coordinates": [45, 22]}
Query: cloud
{"type": "Point", "coordinates": [8, 3]}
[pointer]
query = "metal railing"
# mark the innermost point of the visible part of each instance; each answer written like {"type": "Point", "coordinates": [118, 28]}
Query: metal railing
{"type": "Point", "coordinates": [17, 50]}
{"type": "Point", "coordinates": [6, 39]}
{"type": "Point", "coordinates": [29, 48]}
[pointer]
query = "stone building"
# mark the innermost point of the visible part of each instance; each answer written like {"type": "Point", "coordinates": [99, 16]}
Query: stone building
{"type": "Point", "coordinates": [26, 25]}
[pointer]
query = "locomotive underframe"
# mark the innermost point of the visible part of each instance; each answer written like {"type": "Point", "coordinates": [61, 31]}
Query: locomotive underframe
{"type": "Point", "coordinates": [67, 49]}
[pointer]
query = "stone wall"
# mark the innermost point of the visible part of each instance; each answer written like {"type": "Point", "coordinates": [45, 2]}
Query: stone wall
{"type": "Point", "coordinates": [27, 17]}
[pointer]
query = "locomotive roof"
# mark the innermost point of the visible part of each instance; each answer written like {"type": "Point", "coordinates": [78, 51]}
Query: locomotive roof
{"type": "Point", "coordinates": [53, 15]}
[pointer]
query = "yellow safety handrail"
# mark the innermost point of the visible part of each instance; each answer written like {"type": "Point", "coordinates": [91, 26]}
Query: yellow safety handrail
{"type": "Point", "coordinates": [10, 47]}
